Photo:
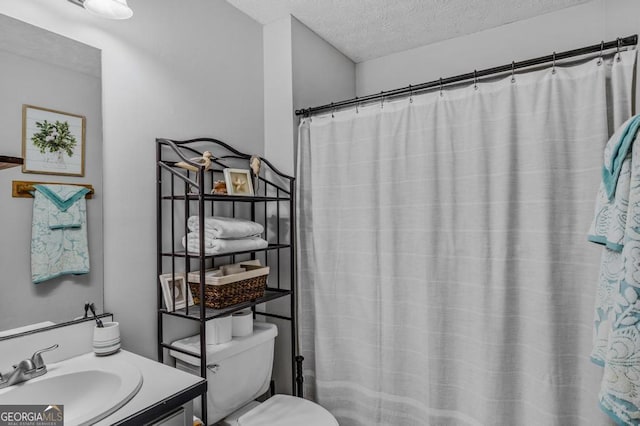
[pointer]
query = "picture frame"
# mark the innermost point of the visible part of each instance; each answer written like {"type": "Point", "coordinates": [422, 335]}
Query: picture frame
{"type": "Point", "coordinates": [53, 142]}
{"type": "Point", "coordinates": [169, 282]}
{"type": "Point", "coordinates": [238, 182]}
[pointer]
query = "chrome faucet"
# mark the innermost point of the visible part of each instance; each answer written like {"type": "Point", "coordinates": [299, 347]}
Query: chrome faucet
{"type": "Point", "coordinates": [26, 370]}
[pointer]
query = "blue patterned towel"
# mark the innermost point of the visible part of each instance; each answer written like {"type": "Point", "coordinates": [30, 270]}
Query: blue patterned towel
{"type": "Point", "coordinates": [59, 232]}
{"type": "Point", "coordinates": [616, 339]}
{"type": "Point", "coordinates": [616, 152]}
{"type": "Point", "coordinates": [608, 226]}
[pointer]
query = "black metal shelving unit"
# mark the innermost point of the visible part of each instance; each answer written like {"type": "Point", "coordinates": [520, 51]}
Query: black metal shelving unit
{"type": "Point", "coordinates": [182, 193]}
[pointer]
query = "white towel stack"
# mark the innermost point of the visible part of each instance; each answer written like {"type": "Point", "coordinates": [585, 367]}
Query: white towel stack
{"type": "Point", "coordinates": [224, 235]}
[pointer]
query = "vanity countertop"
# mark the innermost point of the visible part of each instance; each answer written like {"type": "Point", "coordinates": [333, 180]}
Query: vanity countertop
{"type": "Point", "coordinates": [163, 389]}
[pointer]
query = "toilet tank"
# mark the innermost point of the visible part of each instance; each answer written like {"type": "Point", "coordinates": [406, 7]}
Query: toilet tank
{"type": "Point", "coordinates": [237, 371]}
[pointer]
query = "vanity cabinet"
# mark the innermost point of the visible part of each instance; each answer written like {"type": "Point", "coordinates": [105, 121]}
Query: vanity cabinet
{"type": "Point", "coordinates": [183, 416]}
{"type": "Point", "coordinates": [187, 171]}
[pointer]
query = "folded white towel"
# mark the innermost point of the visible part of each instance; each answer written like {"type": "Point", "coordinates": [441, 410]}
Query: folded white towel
{"type": "Point", "coordinates": [220, 246]}
{"type": "Point", "coordinates": [225, 227]}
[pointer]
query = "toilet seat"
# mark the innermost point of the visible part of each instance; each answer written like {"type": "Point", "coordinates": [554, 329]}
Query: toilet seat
{"type": "Point", "coordinates": [285, 410]}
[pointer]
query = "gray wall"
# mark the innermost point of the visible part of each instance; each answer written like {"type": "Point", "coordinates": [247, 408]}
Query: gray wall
{"type": "Point", "coordinates": [173, 70]}
{"type": "Point", "coordinates": [42, 69]}
{"type": "Point", "coordinates": [301, 70]}
{"type": "Point", "coordinates": [566, 29]}
{"type": "Point", "coordinates": [321, 73]}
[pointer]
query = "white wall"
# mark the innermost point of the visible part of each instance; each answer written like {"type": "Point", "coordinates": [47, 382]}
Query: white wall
{"type": "Point", "coordinates": [321, 73]}
{"type": "Point", "coordinates": [300, 69]}
{"type": "Point", "coordinates": [278, 94]}
{"type": "Point", "coordinates": [174, 70]}
{"type": "Point", "coordinates": [566, 29]}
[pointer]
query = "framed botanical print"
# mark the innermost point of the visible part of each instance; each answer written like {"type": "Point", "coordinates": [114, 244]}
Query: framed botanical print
{"type": "Point", "coordinates": [52, 141]}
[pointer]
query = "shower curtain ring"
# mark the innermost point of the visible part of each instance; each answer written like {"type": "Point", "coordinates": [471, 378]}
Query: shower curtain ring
{"type": "Point", "coordinates": [619, 43]}
{"type": "Point", "coordinates": [333, 110]}
{"type": "Point", "coordinates": [513, 76]}
{"type": "Point", "coordinates": [600, 60]}
{"type": "Point", "coordinates": [441, 94]}
{"type": "Point", "coordinates": [553, 67]}
{"type": "Point", "coordinates": [475, 79]}
{"type": "Point", "coordinates": [357, 105]}
{"type": "Point", "coordinates": [382, 99]}
{"type": "Point", "coordinates": [410, 95]}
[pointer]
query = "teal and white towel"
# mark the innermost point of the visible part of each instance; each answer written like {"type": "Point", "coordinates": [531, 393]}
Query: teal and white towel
{"type": "Point", "coordinates": [59, 243]}
{"type": "Point", "coordinates": [608, 226]}
{"type": "Point", "coordinates": [616, 225]}
{"type": "Point", "coordinates": [616, 152]}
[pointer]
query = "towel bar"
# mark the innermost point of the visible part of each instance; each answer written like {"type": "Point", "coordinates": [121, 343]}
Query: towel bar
{"type": "Point", "coordinates": [22, 188]}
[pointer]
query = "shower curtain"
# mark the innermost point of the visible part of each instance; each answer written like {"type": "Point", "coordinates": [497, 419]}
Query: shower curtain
{"type": "Point", "coordinates": [445, 276]}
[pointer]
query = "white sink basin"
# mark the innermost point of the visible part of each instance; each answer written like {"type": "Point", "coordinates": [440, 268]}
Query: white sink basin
{"type": "Point", "coordinates": [89, 387]}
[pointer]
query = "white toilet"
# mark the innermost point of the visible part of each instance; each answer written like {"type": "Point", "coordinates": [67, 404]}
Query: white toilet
{"type": "Point", "coordinates": [238, 372]}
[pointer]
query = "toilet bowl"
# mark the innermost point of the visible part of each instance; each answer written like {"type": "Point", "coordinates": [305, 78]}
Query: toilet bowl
{"type": "Point", "coordinates": [238, 372]}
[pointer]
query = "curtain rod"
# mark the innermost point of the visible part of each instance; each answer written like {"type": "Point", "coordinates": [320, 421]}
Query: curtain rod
{"type": "Point", "coordinates": [618, 43]}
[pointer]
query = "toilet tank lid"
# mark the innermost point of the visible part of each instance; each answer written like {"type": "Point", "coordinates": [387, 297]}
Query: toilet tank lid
{"type": "Point", "coordinates": [262, 332]}
{"type": "Point", "coordinates": [285, 410]}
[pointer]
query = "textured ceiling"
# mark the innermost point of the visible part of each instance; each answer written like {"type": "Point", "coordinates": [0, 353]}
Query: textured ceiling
{"type": "Point", "coordinates": [367, 29]}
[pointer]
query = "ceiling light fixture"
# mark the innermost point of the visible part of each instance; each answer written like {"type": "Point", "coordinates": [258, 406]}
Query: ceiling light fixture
{"type": "Point", "coordinates": [110, 9]}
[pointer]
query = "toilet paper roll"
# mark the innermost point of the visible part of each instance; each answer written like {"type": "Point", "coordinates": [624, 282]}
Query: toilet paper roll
{"type": "Point", "coordinates": [218, 330]}
{"type": "Point", "coordinates": [242, 323]}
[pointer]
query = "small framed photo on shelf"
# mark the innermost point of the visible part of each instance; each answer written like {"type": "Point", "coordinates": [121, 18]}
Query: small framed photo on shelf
{"type": "Point", "coordinates": [238, 182]}
{"type": "Point", "coordinates": [52, 141]}
{"type": "Point", "coordinates": [177, 286]}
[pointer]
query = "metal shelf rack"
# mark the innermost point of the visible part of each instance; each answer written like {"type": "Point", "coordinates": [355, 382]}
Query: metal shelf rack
{"type": "Point", "coordinates": [181, 193]}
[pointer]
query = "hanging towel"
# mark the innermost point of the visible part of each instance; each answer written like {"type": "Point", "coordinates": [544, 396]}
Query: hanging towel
{"type": "Point", "coordinates": [225, 227]}
{"type": "Point", "coordinates": [616, 152]}
{"type": "Point", "coordinates": [616, 340]}
{"type": "Point", "coordinates": [608, 225]}
{"type": "Point", "coordinates": [220, 246]}
{"type": "Point", "coordinates": [59, 232]}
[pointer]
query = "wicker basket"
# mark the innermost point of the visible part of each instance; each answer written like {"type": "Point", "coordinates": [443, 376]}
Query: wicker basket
{"type": "Point", "coordinates": [228, 290]}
